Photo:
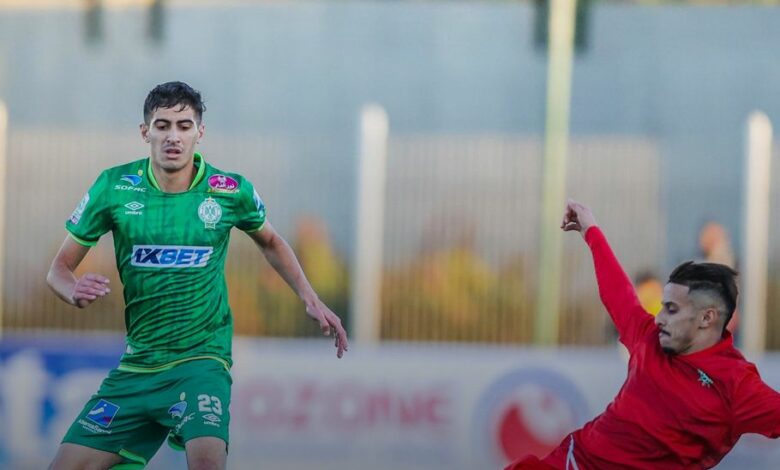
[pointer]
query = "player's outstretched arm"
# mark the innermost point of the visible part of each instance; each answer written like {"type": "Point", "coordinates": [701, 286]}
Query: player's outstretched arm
{"type": "Point", "coordinates": [278, 252]}
{"type": "Point", "coordinates": [615, 287]}
{"type": "Point", "coordinates": [79, 292]}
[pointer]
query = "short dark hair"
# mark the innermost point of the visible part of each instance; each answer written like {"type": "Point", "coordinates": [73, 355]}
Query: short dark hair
{"type": "Point", "coordinates": [170, 94]}
{"type": "Point", "coordinates": [713, 278]}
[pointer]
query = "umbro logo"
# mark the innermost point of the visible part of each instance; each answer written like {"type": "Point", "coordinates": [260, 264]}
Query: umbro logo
{"type": "Point", "coordinates": [134, 208]}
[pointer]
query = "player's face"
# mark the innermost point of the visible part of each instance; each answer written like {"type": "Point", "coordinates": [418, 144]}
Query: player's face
{"type": "Point", "coordinates": [678, 321]}
{"type": "Point", "coordinates": [172, 135]}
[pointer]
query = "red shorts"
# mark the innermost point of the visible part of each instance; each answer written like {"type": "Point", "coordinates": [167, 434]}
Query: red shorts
{"type": "Point", "coordinates": [529, 463]}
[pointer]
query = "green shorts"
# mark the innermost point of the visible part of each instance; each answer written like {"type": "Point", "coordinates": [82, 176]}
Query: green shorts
{"type": "Point", "coordinates": [132, 413]}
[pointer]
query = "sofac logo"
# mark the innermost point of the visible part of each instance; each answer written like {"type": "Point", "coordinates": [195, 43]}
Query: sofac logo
{"type": "Point", "coordinates": [529, 411]}
{"type": "Point", "coordinates": [166, 256]}
{"type": "Point", "coordinates": [222, 184]}
{"type": "Point", "coordinates": [132, 179]}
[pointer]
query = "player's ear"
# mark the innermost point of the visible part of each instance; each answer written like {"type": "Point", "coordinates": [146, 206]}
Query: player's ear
{"type": "Point", "coordinates": [709, 317]}
{"type": "Point", "coordinates": [144, 131]}
{"type": "Point", "coordinates": [201, 130]}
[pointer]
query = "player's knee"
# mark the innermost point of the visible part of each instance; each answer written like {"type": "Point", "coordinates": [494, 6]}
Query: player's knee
{"type": "Point", "coordinates": [206, 453]}
{"type": "Point", "coordinates": [206, 461]}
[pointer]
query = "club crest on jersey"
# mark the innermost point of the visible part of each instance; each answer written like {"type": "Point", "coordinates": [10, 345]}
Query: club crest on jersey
{"type": "Point", "coordinates": [222, 184]}
{"type": "Point", "coordinates": [167, 256]}
{"type": "Point", "coordinates": [704, 379]}
{"type": "Point", "coordinates": [210, 212]}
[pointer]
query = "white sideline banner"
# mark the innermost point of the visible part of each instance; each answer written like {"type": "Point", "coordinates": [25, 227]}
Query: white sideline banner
{"type": "Point", "coordinates": [395, 406]}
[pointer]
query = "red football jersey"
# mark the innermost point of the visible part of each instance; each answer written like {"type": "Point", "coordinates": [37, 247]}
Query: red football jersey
{"type": "Point", "coordinates": [673, 411]}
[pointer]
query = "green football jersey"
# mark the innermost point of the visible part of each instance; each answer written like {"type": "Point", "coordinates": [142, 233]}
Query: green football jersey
{"type": "Point", "coordinates": [170, 251]}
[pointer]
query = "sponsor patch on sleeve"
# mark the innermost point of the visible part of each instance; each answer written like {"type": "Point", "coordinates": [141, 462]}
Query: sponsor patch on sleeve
{"type": "Point", "coordinates": [259, 205]}
{"type": "Point", "coordinates": [79, 211]}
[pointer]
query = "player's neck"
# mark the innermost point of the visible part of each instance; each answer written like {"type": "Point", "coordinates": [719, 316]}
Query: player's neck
{"type": "Point", "coordinates": [703, 342]}
{"type": "Point", "coordinates": [175, 181]}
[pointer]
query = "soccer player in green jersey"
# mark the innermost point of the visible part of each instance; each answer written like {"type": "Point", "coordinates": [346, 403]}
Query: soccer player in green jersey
{"type": "Point", "coordinates": [171, 215]}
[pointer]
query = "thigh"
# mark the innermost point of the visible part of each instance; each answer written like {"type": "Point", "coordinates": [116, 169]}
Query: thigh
{"type": "Point", "coordinates": [116, 421]}
{"type": "Point", "coordinates": [77, 457]}
{"type": "Point", "coordinates": [194, 402]}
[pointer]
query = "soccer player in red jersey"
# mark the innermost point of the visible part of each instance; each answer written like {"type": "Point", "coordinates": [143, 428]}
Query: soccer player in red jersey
{"type": "Point", "coordinates": [689, 394]}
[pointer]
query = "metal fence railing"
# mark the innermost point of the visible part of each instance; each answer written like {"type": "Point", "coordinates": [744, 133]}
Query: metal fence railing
{"type": "Point", "coordinates": [461, 224]}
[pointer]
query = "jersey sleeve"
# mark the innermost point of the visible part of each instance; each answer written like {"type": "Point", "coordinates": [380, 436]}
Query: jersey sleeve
{"type": "Point", "coordinates": [756, 407]}
{"type": "Point", "coordinates": [92, 217]}
{"type": "Point", "coordinates": [251, 209]}
{"type": "Point", "coordinates": [617, 291]}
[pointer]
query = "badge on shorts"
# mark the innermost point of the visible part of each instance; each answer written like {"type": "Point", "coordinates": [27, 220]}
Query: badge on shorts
{"type": "Point", "coordinates": [103, 413]}
{"type": "Point", "coordinates": [210, 212]}
{"type": "Point", "coordinates": [178, 409]}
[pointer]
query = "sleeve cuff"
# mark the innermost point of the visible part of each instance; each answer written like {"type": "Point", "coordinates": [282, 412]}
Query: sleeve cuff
{"type": "Point", "coordinates": [257, 229]}
{"type": "Point", "coordinates": [81, 241]}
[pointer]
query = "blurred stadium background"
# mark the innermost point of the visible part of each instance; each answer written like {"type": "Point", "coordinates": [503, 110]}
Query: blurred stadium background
{"type": "Point", "coordinates": [660, 96]}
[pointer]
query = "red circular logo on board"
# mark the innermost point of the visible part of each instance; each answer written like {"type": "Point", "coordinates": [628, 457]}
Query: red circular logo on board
{"type": "Point", "coordinates": [526, 412]}
{"type": "Point", "coordinates": [533, 421]}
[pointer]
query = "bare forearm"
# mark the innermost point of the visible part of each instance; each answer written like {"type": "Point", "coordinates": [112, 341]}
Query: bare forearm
{"type": "Point", "coordinates": [283, 260]}
{"type": "Point", "coordinates": [76, 291]}
{"type": "Point", "coordinates": [281, 256]}
{"type": "Point", "coordinates": [62, 281]}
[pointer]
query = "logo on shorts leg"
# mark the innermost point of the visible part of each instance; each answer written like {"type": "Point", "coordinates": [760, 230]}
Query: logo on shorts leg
{"type": "Point", "coordinates": [211, 419]}
{"type": "Point", "coordinates": [184, 420]}
{"type": "Point", "coordinates": [210, 406]}
{"type": "Point", "coordinates": [103, 413]}
{"type": "Point", "coordinates": [178, 409]}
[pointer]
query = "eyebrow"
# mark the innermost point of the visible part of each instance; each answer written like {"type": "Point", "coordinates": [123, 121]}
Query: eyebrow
{"type": "Point", "coordinates": [166, 121]}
